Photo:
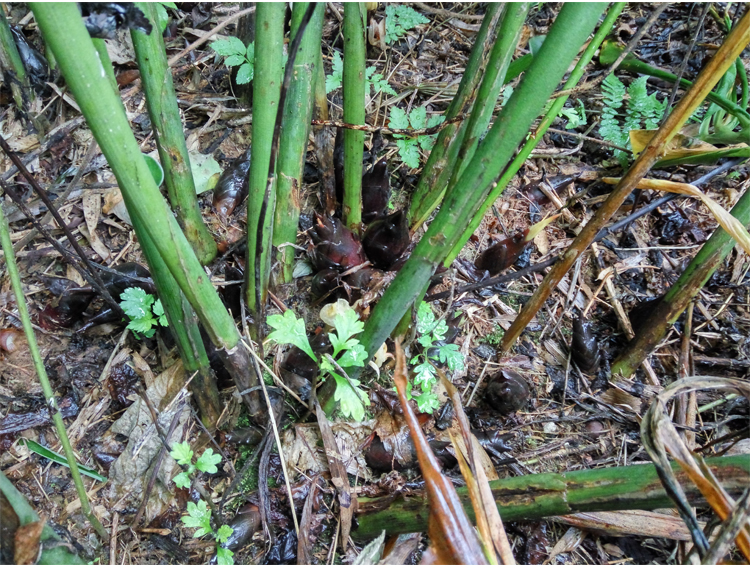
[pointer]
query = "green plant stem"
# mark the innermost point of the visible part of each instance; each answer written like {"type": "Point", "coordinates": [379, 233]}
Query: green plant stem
{"type": "Point", "coordinates": [156, 78]}
{"type": "Point", "coordinates": [575, 76]}
{"type": "Point", "coordinates": [354, 113]}
{"type": "Point", "coordinates": [677, 298]}
{"type": "Point", "coordinates": [293, 142]}
{"type": "Point", "coordinates": [49, 394]}
{"type": "Point", "coordinates": [570, 30]}
{"type": "Point", "coordinates": [11, 62]}
{"type": "Point", "coordinates": [183, 323]}
{"type": "Point", "coordinates": [63, 29]}
{"type": "Point", "coordinates": [437, 171]}
{"type": "Point", "coordinates": [540, 495]}
{"type": "Point", "coordinates": [708, 77]}
{"type": "Point", "coordinates": [51, 554]}
{"type": "Point", "coordinates": [101, 49]}
{"type": "Point", "coordinates": [269, 41]}
{"type": "Point", "coordinates": [492, 82]}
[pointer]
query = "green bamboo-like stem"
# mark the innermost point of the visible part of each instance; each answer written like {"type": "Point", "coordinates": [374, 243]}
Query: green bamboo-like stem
{"type": "Point", "coordinates": [156, 78]}
{"type": "Point", "coordinates": [492, 82]}
{"type": "Point", "coordinates": [575, 76]}
{"type": "Point", "coordinates": [101, 49]}
{"type": "Point", "coordinates": [10, 61]}
{"type": "Point", "coordinates": [183, 323]}
{"type": "Point", "coordinates": [611, 51]}
{"type": "Point", "coordinates": [690, 282]}
{"type": "Point", "coordinates": [269, 41]}
{"type": "Point", "coordinates": [735, 42]}
{"type": "Point", "coordinates": [293, 142]}
{"type": "Point", "coordinates": [570, 30]}
{"type": "Point", "coordinates": [54, 550]}
{"type": "Point", "coordinates": [437, 171]}
{"type": "Point", "coordinates": [540, 495]}
{"type": "Point", "coordinates": [354, 113]}
{"type": "Point", "coordinates": [63, 28]}
{"type": "Point", "coordinates": [49, 394]}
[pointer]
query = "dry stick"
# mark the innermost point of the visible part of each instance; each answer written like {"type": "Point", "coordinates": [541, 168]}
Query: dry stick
{"type": "Point", "coordinates": [683, 66]}
{"type": "Point", "coordinates": [95, 279]}
{"type": "Point", "coordinates": [165, 442]}
{"type": "Point", "coordinates": [628, 48]}
{"type": "Point", "coordinates": [538, 267]}
{"type": "Point", "coordinates": [590, 139]}
{"type": "Point", "coordinates": [730, 528]}
{"type": "Point", "coordinates": [448, 13]}
{"type": "Point", "coordinates": [155, 471]}
{"type": "Point", "coordinates": [734, 44]}
{"type": "Point", "coordinates": [63, 197]}
{"type": "Point", "coordinates": [259, 240]}
{"type": "Point", "coordinates": [276, 430]}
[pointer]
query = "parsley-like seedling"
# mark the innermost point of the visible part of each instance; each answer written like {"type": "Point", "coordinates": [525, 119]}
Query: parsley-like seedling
{"type": "Point", "coordinates": [399, 19]}
{"type": "Point", "coordinates": [235, 53]}
{"type": "Point", "coordinates": [374, 82]}
{"type": "Point", "coordinates": [143, 311]}
{"type": "Point", "coordinates": [430, 332]}
{"type": "Point", "coordinates": [347, 352]}
{"type": "Point", "coordinates": [408, 147]}
{"type": "Point", "coordinates": [198, 514]}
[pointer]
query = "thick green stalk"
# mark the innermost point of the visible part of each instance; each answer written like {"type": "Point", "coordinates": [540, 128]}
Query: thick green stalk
{"type": "Point", "coordinates": [542, 495]}
{"type": "Point", "coordinates": [492, 82]}
{"type": "Point", "coordinates": [354, 113]}
{"type": "Point", "coordinates": [269, 41]}
{"type": "Point", "coordinates": [101, 49]}
{"type": "Point", "coordinates": [156, 78]}
{"type": "Point", "coordinates": [183, 323]}
{"type": "Point", "coordinates": [54, 550]}
{"type": "Point", "coordinates": [10, 61]}
{"type": "Point", "coordinates": [63, 29]}
{"type": "Point", "coordinates": [437, 171]}
{"type": "Point", "coordinates": [570, 30]}
{"type": "Point", "coordinates": [682, 292]}
{"type": "Point", "coordinates": [49, 394]}
{"type": "Point", "coordinates": [293, 142]}
{"type": "Point", "coordinates": [528, 147]}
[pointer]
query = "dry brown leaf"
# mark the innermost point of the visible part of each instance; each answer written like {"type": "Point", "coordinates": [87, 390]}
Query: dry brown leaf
{"type": "Point", "coordinates": [27, 543]}
{"type": "Point", "coordinates": [621, 523]}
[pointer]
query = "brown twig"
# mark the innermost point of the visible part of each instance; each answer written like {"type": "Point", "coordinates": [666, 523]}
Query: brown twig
{"type": "Point", "coordinates": [94, 277]}
{"type": "Point", "coordinates": [447, 13]}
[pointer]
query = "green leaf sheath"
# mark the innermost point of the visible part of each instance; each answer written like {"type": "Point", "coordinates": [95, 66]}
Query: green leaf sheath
{"type": "Point", "coordinates": [156, 78]}
{"type": "Point", "coordinates": [572, 27]}
{"type": "Point", "coordinates": [294, 136]}
{"type": "Point", "coordinates": [549, 117]}
{"type": "Point", "coordinates": [269, 42]}
{"type": "Point", "coordinates": [682, 292]}
{"type": "Point", "coordinates": [437, 171]}
{"type": "Point", "coordinates": [64, 32]}
{"type": "Point", "coordinates": [493, 81]}
{"type": "Point", "coordinates": [354, 113]}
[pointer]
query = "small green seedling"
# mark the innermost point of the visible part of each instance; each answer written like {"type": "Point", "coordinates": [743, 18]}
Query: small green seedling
{"type": "Point", "coordinates": [431, 331]}
{"type": "Point", "coordinates": [347, 352]}
{"type": "Point", "coordinates": [576, 116]}
{"type": "Point", "coordinates": [198, 514]}
{"type": "Point", "coordinates": [399, 19]}
{"type": "Point", "coordinates": [143, 311]}
{"type": "Point", "coordinates": [408, 147]}
{"type": "Point", "coordinates": [236, 54]}
{"type": "Point", "coordinates": [374, 82]}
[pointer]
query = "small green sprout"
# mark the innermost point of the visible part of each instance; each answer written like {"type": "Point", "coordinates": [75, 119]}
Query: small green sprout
{"type": "Point", "coordinates": [408, 147]}
{"type": "Point", "coordinates": [143, 311]}
{"type": "Point", "coordinates": [399, 19]}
